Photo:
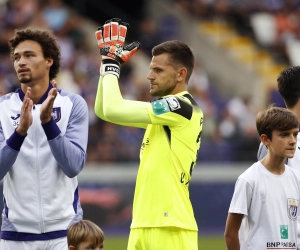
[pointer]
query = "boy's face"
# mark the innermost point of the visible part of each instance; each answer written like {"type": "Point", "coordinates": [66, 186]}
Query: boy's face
{"type": "Point", "coordinates": [87, 246]}
{"type": "Point", "coordinates": [283, 143]}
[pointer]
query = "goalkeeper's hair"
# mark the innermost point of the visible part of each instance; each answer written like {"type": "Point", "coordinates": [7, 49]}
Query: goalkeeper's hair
{"type": "Point", "coordinates": [288, 83]}
{"type": "Point", "coordinates": [180, 55]}
{"type": "Point", "coordinates": [47, 41]}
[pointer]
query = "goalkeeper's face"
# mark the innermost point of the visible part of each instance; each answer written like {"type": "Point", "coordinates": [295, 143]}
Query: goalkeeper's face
{"type": "Point", "coordinates": [162, 76]}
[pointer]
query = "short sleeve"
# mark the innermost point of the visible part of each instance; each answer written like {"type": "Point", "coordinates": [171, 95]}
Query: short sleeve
{"type": "Point", "coordinates": [242, 196]}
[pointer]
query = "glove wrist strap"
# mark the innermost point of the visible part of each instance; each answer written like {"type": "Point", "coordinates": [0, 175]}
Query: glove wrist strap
{"type": "Point", "coordinates": [109, 66]}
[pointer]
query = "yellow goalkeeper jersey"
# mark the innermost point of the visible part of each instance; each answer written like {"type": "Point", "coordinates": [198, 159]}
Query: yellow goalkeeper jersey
{"type": "Point", "coordinates": [167, 157]}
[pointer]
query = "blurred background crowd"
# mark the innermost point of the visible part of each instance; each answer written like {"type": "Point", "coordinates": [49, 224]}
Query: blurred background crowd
{"type": "Point", "coordinates": [229, 133]}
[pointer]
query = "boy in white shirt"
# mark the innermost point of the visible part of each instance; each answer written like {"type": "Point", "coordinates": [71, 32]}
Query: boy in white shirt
{"type": "Point", "coordinates": [288, 83]}
{"type": "Point", "coordinates": [264, 207]}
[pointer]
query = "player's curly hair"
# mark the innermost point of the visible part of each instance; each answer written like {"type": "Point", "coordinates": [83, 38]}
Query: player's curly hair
{"type": "Point", "coordinates": [47, 41]}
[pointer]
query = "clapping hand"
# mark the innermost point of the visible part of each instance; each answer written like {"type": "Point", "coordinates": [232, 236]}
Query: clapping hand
{"type": "Point", "coordinates": [47, 105]}
{"type": "Point", "coordinates": [26, 114]}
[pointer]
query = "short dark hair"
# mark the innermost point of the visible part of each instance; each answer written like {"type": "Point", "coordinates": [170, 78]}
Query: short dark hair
{"type": "Point", "coordinates": [85, 231]}
{"type": "Point", "coordinates": [47, 41]}
{"type": "Point", "coordinates": [179, 52]}
{"type": "Point", "coordinates": [275, 118]}
{"type": "Point", "coordinates": [289, 85]}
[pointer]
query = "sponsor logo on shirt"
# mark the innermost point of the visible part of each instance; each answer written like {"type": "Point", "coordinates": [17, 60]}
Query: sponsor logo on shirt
{"type": "Point", "coordinates": [281, 245]}
{"type": "Point", "coordinates": [160, 107]}
{"type": "Point", "coordinates": [284, 231]}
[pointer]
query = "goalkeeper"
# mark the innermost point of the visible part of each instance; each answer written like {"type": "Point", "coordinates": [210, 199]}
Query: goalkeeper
{"type": "Point", "coordinates": [163, 216]}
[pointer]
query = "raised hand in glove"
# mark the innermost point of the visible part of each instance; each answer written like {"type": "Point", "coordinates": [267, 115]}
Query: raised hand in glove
{"type": "Point", "coordinates": [111, 38]}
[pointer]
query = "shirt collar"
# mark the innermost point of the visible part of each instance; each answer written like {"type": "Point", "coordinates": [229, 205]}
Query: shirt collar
{"type": "Point", "coordinates": [43, 98]}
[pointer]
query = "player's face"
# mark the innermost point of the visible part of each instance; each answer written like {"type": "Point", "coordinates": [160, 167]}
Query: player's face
{"type": "Point", "coordinates": [284, 142]}
{"type": "Point", "coordinates": [30, 64]}
{"type": "Point", "coordinates": [162, 76]}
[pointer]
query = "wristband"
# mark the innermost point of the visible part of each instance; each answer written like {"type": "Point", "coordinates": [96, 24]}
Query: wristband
{"type": "Point", "coordinates": [109, 66]}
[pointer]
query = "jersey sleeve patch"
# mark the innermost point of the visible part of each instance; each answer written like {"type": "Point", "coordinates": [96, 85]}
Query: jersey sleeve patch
{"type": "Point", "coordinates": [160, 106]}
{"type": "Point", "coordinates": [172, 104]}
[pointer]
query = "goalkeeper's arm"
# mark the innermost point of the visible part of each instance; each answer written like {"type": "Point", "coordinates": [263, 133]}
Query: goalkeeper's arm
{"type": "Point", "coordinates": [110, 105]}
{"type": "Point", "coordinates": [99, 101]}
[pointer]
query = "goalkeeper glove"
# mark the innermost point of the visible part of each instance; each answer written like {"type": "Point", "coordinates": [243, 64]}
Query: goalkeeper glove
{"type": "Point", "coordinates": [111, 38]}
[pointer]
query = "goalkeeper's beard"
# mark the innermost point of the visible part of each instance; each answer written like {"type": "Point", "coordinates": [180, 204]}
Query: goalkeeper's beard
{"type": "Point", "coordinates": [159, 92]}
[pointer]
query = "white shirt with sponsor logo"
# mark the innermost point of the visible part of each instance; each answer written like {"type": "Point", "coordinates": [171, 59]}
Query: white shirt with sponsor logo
{"type": "Point", "coordinates": [295, 163]}
{"type": "Point", "coordinates": [270, 205]}
{"type": "Point", "coordinates": [292, 162]}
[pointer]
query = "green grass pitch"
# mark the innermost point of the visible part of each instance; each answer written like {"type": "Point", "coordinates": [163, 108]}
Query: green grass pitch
{"type": "Point", "coordinates": [205, 243]}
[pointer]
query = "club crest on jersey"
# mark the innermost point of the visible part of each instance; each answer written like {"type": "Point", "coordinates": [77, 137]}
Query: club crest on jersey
{"type": "Point", "coordinates": [292, 207]}
{"type": "Point", "coordinates": [173, 103]}
{"type": "Point", "coordinates": [56, 114]}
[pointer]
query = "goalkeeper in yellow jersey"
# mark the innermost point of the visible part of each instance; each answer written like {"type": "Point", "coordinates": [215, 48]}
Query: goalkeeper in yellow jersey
{"type": "Point", "coordinates": [163, 217]}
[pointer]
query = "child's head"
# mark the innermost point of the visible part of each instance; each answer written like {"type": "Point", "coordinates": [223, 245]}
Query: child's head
{"type": "Point", "coordinates": [275, 118]}
{"type": "Point", "coordinates": [85, 235]}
